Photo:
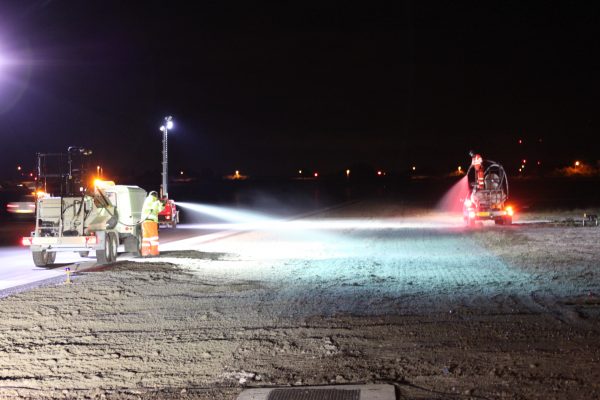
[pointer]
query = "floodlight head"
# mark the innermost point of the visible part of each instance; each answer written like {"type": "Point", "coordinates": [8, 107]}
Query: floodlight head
{"type": "Point", "coordinates": [168, 124]}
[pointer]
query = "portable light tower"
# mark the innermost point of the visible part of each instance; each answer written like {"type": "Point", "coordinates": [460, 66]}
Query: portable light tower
{"type": "Point", "coordinates": [169, 216]}
{"type": "Point", "coordinates": [164, 128]}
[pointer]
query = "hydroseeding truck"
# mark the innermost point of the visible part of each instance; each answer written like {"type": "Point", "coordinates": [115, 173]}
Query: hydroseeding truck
{"type": "Point", "coordinates": [72, 216]}
{"type": "Point", "coordinates": [488, 193]}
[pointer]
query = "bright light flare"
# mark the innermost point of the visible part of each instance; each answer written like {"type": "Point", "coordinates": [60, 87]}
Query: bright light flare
{"type": "Point", "coordinates": [226, 213]}
{"type": "Point", "coordinates": [238, 220]}
{"type": "Point", "coordinates": [331, 225]}
{"type": "Point", "coordinates": [510, 211]}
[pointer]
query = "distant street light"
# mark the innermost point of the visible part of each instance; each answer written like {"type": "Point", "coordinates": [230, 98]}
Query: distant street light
{"type": "Point", "coordinates": [168, 124]}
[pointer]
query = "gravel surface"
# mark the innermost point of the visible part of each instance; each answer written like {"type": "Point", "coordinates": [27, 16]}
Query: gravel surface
{"type": "Point", "coordinates": [441, 312]}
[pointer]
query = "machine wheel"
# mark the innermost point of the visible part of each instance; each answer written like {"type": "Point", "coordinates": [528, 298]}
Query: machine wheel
{"type": "Point", "coordinates": [507, 220]}
{"type": "Point", "coordinates": [114, 240]}
{"type": "Point", "coordinates": [109, 253]}
{"type": "Point", "coordinates": [43, 258]}
{"type": "Point", "coordinates": [84, 253]}
{"type": "Point", "coordinates": [499, 221]}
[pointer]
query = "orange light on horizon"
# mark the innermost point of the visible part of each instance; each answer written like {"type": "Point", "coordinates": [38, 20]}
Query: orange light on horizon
{"type": "Point", "coordinates": [577, 163]}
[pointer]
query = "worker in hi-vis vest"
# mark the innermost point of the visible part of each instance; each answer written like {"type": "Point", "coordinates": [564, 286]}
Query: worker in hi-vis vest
{"type": "Point", "coordinates": [152, 206]}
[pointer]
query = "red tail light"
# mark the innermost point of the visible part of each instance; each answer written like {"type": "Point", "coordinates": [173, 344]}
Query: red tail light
{"type": "Point", "coordinates": [26, 241]}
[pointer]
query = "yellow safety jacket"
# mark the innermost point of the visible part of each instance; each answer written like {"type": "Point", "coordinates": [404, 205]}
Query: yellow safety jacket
{"type": "Point", "coordinates": [152, 206]}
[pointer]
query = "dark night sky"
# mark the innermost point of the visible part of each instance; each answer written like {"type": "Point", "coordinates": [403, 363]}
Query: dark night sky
{"type": "Point", "coordinates": [300, 84]}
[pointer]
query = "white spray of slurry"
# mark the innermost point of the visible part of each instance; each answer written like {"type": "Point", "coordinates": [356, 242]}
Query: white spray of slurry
{"type": "Point", "coordinates": [452, 201]}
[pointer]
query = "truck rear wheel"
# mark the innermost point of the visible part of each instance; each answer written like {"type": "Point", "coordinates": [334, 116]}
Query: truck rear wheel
{"type": "Point", "coordinates": [115, 246]}
{"type": "Point", "coordinates": [109, 253]}
{"type": "Point", "coordinates": [43, 258]}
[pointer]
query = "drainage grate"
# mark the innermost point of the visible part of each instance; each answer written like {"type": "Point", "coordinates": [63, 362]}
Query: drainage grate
{"type": "Point", "coordinates": [314, 394]}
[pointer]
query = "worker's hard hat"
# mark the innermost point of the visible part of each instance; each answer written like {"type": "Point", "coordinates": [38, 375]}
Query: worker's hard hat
{"type": "Point", "coordinates": [153, 193]}
{"type": "Point", "coordinates": [476, 160]}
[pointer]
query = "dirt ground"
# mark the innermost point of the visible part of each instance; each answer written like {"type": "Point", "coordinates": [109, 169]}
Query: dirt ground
{"type": "Point", "coordinates": [439, 311]}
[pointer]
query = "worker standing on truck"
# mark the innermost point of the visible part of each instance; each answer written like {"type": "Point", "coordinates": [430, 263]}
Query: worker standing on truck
{"type": "Point", "coordinates": [152, 206]}
{"type": "Point", "coordinates": [476, 162]}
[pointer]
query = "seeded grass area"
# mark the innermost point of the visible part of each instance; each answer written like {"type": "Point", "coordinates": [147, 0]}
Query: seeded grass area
{"type": "Point", "coordinates": [437, 311]}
